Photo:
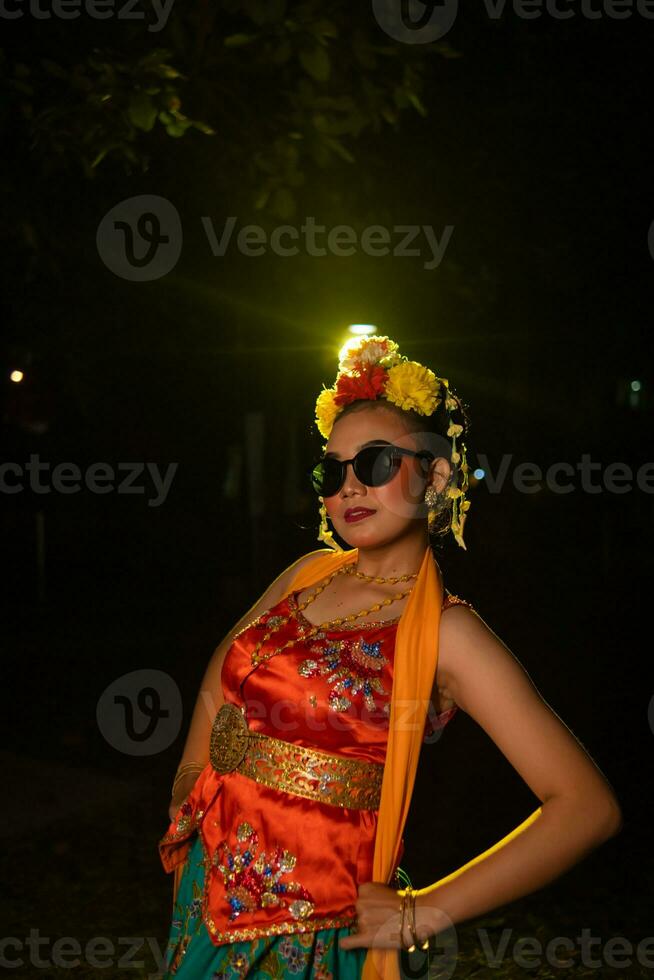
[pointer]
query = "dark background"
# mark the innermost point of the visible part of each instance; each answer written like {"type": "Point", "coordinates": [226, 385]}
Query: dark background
{"type": "Point", "coordinates": [531, 139]}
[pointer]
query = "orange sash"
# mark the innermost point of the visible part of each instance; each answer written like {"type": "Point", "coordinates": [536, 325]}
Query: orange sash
{"type": "Point", "coordinates": [416, 657]}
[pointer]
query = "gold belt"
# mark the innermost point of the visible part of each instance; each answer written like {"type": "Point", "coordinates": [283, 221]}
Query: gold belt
{"type": "Point", "coordinates": [311, 773]}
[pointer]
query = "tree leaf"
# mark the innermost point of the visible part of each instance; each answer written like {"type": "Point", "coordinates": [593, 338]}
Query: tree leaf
{"type": "Point", "coordinates": [283, 203]}
{"type": "Point", "coordinates": [238, 40]}
{"type": "Point", "coordinates": [315, 62]}
{"type": "Point", "coordinates": [324, 28]}
{"type": "Point", "coordinates": [414, 99]}
{"type": "Point", "coordinates": [141, 111]}
{"type": "Point", "coordinates": [339, 149]}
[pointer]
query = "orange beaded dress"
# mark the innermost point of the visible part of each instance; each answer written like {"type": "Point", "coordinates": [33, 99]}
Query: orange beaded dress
{"type": "Point", "coordinates": [284, 856]}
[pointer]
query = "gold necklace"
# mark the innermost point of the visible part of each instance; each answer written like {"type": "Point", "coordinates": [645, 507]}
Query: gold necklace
{"type": "Point", "coordinates": [256, 658]}
{"type": "Point", "coordinates": [378, 578]}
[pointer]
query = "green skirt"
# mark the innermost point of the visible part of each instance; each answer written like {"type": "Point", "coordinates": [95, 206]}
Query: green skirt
{"type": "Point", "coordinates": [190, 954]}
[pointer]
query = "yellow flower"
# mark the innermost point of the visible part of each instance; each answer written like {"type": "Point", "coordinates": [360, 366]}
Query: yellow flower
{"type": "Point", "coordinates": [458, 525]}
{"type": "Point", "coordinates": [455, 430]}
{"type": "Point", "coordinates": [412, 386]}
{"type": "Point", "coordinates": [326, 411]}
{"type": "Point", "coordinates": [456, 457]}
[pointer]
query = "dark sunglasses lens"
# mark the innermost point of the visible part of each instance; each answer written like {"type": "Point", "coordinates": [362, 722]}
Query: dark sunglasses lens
{"type": "Point", "coordinates": [376, 465]}
{"type": "Point", "coordinates": [326, 477]}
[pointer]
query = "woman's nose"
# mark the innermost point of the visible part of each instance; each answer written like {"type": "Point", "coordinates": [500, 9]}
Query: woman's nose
{"type": "Point", "coordinates": [351, 479]}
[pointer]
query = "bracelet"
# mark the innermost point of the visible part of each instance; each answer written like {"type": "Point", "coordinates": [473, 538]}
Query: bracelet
{"type": "Point", "coordinates": [183, 771]}
{"type": "Point", "coordinates": [407, 893]}
{"type": "Point", "coordinates": [412, 924]}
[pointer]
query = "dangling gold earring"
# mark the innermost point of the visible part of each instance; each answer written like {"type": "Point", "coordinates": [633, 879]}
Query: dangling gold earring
{"type": "Point", "coordinates": [324, 534]}
{"type": "Point", "coordinates": [436, 501]}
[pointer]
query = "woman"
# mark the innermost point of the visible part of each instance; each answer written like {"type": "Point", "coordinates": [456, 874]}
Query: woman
{"type": "Point", "coordinates": [290, 801]}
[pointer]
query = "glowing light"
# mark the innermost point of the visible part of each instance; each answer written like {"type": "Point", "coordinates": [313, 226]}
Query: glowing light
{"type": "Point", "coordinates": [635, 386]}
{"type": "Point", "coordinates": [16, 376]}
{"type": "Point", "coordinates": [362, 328]}
{"type": "Point", "coordinates": [479, 474]}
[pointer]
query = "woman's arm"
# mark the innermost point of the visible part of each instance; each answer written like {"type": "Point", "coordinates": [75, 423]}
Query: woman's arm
{"type": "Point", "coordinates": [210, 696]}
{"type": "Point", "coordinates": [578, 809]}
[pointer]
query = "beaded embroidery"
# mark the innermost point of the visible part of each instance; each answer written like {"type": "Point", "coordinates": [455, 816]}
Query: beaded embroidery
{"type": "Point", "coordinates": [253, 882]}
{"type": "Point", "coordinates": [352, 666]}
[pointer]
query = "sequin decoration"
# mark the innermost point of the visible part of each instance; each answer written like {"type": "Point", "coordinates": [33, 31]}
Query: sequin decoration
{"type": "Point", "coordinates": [253, 881]}
{"type": "Point", "coordinates": [352, 666]}
{"type": "Point", "coordinates": [184, 820]}
{"type": "Point", "coordinates": [272, 622]}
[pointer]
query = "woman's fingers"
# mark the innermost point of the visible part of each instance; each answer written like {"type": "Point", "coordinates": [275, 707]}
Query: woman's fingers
{"type": "Point", "coordinates": [355, 940]}
{"type": "Point", "coordinates": [378, 918]}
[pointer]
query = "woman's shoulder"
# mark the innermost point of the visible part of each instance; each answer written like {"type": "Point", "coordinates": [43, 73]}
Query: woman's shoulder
{"type": "Point", "coordinates": [449, 600]}
{"type": "Point", "coordinates": [304, 560]}
{"type": "Point", "coordinates": [284, 581]}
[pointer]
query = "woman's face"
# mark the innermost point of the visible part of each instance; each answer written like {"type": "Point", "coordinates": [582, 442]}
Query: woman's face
{"type": "Point", "coordinates": [397, 508]}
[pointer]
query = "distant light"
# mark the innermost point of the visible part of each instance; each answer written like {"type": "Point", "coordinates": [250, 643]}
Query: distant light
{"type": "Point", "coordinates": [17, 376]}
{"type": "Point", "coordinates": [362, 328]}
{"type": "Point", "coordinates": [479, 474]}
{"type": "Point", "coordinates": [635, 385]}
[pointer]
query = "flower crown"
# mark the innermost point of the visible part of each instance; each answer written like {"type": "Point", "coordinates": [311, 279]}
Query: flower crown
{"type": "Point", "coordinates": [371, 368]}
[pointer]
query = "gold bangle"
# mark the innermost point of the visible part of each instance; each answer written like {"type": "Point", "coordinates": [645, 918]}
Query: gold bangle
{"type": "Point", "coordinates": [402, 910]}
{"type": "Point", "coordinates": [407, 897]}
{"type": "Point", "coordinates": [183, 770]}
{"type": "Point", "coordinates": [412, 925]}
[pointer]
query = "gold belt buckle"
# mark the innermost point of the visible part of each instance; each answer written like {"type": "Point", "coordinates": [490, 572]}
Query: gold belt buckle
{"type": "Point", "coordinates": [229, 738]}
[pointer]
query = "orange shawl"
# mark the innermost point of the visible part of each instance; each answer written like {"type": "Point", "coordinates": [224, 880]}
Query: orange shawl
{"type": "Point", "coordinates": [416, 657]}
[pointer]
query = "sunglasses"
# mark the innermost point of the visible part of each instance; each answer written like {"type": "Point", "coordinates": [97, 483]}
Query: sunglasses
{"type": "Point", "coordinates": [373, 466]}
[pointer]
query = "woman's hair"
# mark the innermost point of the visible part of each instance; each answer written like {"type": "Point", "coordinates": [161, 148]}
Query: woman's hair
{"type": "Point", "coordinates": [425, 427]}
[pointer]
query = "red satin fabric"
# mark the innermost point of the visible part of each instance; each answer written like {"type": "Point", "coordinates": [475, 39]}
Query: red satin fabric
{"type": "Point", "coordinates": [288, 697]}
